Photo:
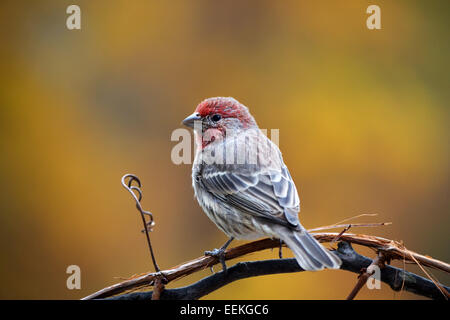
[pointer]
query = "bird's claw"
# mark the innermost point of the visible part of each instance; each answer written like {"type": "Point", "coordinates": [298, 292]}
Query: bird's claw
{"type": "Point", "coordinates": [220, 255]}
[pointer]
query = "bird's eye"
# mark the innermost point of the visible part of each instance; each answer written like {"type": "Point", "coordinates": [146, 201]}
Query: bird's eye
{"type": "Point", "coordinates": [216, 117]}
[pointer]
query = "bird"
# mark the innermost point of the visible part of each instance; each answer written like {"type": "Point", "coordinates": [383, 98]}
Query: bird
{"type": "Point", "coordinates": [243, 185]}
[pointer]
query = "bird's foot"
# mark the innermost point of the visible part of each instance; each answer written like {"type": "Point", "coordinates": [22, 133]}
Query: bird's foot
{"type": "Point", "coordinates": [220, 255]}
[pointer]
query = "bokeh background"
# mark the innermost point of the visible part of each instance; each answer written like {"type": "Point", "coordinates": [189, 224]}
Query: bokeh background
{"type": "Point", "coordinates": [363, 118]}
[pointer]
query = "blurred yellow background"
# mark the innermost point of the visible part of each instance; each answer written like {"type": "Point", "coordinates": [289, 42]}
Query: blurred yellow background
{"type": "Point", "coordinates": [363, 118]}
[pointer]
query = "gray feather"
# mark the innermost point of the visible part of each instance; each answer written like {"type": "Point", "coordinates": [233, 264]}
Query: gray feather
{"type": "Point", "coordinates": [265, 191]}
{"type": "Point", "coordinates": [309, 253]}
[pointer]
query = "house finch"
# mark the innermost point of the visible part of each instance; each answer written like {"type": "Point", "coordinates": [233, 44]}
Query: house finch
{"type": "Point", "coordinates": [243, 185]}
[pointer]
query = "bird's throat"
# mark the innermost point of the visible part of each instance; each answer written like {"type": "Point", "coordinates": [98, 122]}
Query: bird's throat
{"type": "Point", "coordinates": [209, 136]}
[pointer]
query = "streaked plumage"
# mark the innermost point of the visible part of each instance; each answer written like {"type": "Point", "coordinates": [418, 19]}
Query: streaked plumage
{"type": "Point", "coordinates": [243, 185]}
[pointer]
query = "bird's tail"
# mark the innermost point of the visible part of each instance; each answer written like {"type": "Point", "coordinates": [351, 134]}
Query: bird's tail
{"type": "Point", "coordinates": [308, 252]}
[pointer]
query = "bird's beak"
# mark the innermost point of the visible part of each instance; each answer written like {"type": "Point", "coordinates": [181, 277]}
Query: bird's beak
{"type": "Point", "coordinates": [189, 121]}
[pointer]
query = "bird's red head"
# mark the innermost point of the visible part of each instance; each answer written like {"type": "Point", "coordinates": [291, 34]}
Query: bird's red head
{"type": "Point", "coordinates": [226, 108]}
{"type": "Point", "coordinates": [220, 116]}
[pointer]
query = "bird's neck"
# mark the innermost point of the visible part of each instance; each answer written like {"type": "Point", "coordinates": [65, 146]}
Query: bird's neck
{"type": "Point", "coordinates": [209, 137]}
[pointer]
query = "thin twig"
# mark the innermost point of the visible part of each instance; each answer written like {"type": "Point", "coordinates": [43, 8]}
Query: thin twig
{"type": "Point", "coordinates": [352, 225]}
{"type": "Point", "coordinates": [147, 225]}
{"type": "Point", "coordinates": [358, 216]}
{"type": "Point", "coordinates": [443, 291]}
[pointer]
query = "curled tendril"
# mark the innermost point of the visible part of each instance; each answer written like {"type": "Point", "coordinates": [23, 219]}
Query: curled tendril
{"type": "Point", "coordinates": [136, 192]}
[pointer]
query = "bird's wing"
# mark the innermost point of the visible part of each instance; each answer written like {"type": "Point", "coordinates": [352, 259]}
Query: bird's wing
{"type": "Point", "coordinates": [263, 191]}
